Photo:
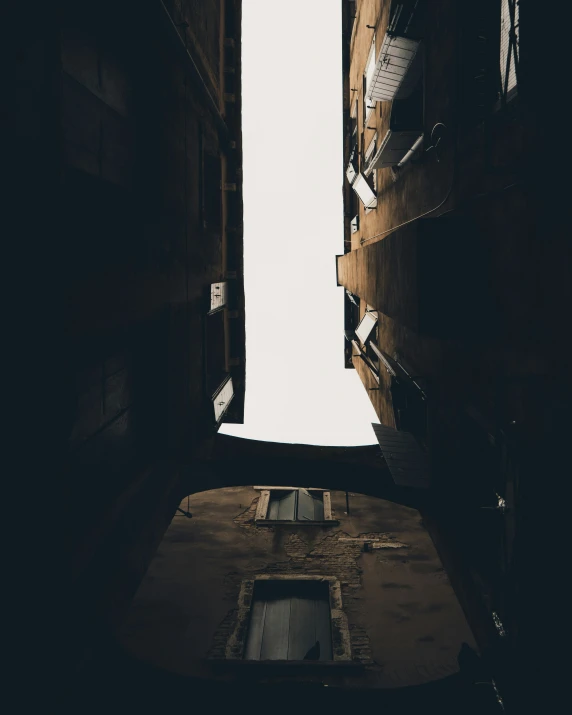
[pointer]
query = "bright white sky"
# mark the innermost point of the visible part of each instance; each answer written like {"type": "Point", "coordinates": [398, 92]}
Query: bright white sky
{"type": "Point", "coordinates": [297, 389]}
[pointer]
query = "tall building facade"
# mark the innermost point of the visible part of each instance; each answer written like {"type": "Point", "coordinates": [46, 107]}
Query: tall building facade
{"type": "Point", "coordinates": [449, 287]}
{"type": "Point", "coordinates": [127, 134]}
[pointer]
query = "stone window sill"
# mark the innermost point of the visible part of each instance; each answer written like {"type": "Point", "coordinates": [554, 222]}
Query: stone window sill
{"type": "Point", "coordinates": [275, 522]}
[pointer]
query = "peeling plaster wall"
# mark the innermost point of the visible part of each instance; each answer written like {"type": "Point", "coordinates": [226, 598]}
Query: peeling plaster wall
{"type": "Point", "coordinates": [404, 623]}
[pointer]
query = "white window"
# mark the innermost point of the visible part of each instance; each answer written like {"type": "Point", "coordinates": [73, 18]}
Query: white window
{"type": "Point", "coordinates": [365, 192]}
{"type": "Point", "coordinates": [367, 324]}
{"type": "Point", "coordinates": [509, 46]}
{"type": "Point", "coordinates": [218, 296]}
{"type": "Point", "coordinates": [222, 398]}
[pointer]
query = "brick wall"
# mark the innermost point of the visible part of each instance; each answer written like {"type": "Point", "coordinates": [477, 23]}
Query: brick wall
{"type": "Point", "coordinates": [405, 626]}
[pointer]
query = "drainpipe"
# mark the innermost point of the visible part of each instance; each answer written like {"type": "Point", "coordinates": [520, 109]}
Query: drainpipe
{"type": "Point", "coordinates": [410, 153]}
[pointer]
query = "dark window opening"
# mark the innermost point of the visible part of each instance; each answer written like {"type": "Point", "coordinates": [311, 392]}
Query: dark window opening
{"type": "Point", "coordinates": [290, 620]}
{"type": "Point", "coordinates": [296, 505]}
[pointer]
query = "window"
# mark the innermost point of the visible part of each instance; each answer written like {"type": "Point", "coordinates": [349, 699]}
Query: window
{"type": "Point", "coordinates": [370, 151]}
{"type": "Point", "coordinates": [296, 506]}
{"type": "Point", "coordinates": [364, 191]}
{"type": "Point", "coordinates": [366, 326]}
{"type": "Point", "coordinates": [368, 104]}
{"type": "Point", "coordinates": [218, 297]}
{"type": "Point", "coordinates": [222, 398]}
{"type": "Point", "coordinates": [290, 620]}
{"type": "Point", "coordinates": [509, 47]}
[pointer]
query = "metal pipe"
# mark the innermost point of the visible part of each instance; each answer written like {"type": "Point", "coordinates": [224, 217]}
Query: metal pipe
{"type": "Point", "coordinates": [411, 152]}
{"type": "Point", "coordinates": [195, 74]}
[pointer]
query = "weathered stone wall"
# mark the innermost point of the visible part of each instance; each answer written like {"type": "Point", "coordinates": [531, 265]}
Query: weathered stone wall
{"type": "Point", "coordinates": [403, 622]}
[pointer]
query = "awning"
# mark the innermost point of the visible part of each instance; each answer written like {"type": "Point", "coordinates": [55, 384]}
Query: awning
{"type": "Point", "coordinates": [407, 462]}
{"type": "Point", "coordinates": [390, 80]}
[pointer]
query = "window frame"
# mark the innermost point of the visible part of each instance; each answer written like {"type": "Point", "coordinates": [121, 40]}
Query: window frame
{"type": "Point", "coordinates": [261, 516]}
{"type": "Point", "coordinates": [342, 651]}
{"type": "Point", "coordinates": [300, 608]}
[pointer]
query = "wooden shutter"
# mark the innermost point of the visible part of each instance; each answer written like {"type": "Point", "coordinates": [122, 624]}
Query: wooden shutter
{"type": "Point", "coordinates": [363, 190]}
{"type": "Point", "coordinates": [282, 506]}
{"type": "Point", "coordinates": [305, 506]}
{"type": "Point", "coordinates": [276, 629]}
{"type": "Point", "coordinates": [218, 296]}
{"type": "Point", "coordinates": [366, 326]}
{"type": "Point", "coordinates": [223, 398]}
{"type": "Point", "coordinates": [287, 619]}
{"type": "Point", "coordinates": [505, 46]}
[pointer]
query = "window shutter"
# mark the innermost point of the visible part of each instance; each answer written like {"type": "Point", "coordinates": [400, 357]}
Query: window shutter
{"type": "Point", "coordinates": [505, 46]}
{"type": "Point", "coordinates": [218, 296]}
{"type": "Point", "coordinates": [255, 631]}
{"type": "Point", "coordinates": [282, 506]}
{"type": "Point", "coordinates": [364, 191]}
{"type": "Point", "coordinates": [287, 620]}
{"type": "Point", "coordinates": [367, 324]}
{"type": "Point", "coordinates": [305, 506]}
{"type": "Point", "coordinates": [223, 398]}
{"type": "Point", "coordinates": [276, 630]}
{"type": "Point", "coordinates": [318, 508]}
{"type": "Point", "coordinates": [302, 635]}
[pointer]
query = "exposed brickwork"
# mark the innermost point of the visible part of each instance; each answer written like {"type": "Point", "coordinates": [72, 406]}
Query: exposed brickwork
{"type": "Point", "coordinates": [306, 551]}
{"type": "Point", "coordinates": [394, 616]}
